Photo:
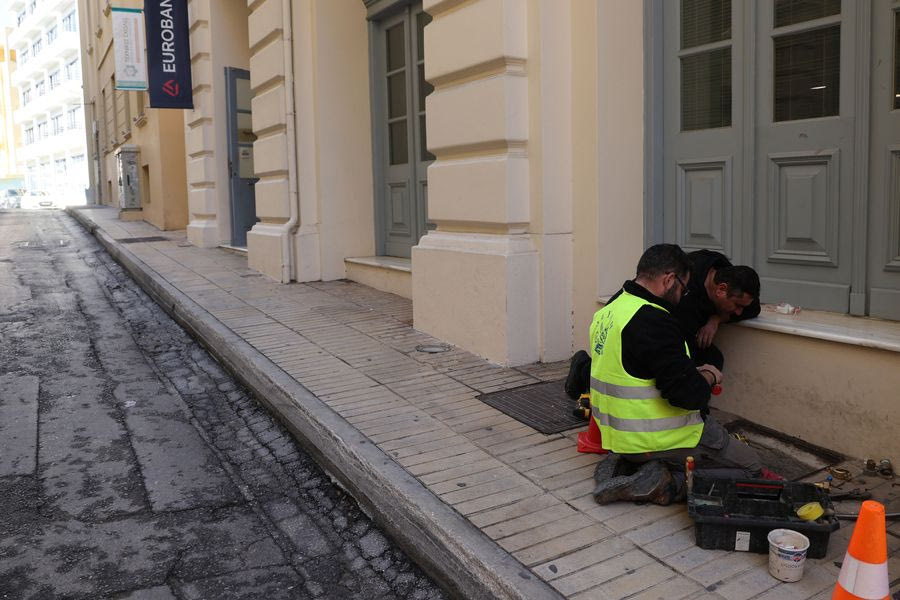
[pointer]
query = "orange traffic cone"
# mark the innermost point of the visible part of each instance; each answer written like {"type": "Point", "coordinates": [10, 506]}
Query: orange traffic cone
{"type": "Point", "coordinates": [864, 574]}
{"type": "Point", "coordinates": [589, 441]}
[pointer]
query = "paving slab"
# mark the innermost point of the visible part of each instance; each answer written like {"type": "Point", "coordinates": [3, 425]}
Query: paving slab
{"type": "Point", "coordinates": [490, 507]}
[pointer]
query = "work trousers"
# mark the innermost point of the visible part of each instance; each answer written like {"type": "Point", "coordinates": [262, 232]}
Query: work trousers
{"type": "Point", "coordinates": [717, 455]}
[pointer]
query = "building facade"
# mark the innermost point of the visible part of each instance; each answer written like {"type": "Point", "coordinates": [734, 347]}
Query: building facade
{"type": "Point", "coordinates": [504, 163]}
{"type": "Point", "coordinates": [10, 139]}
{"type": "Point", "coordinates": [50, 114]}
{"type": "Point", "coordinates": [121, 123]}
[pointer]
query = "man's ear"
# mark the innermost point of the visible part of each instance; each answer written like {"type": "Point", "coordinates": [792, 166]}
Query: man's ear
{"type": "Point", "coordinates": [722, 290]}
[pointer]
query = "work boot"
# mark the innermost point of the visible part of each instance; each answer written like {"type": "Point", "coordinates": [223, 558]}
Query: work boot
{"type": "Point", "coordinates": [614, 465]}
{"type": "Point", "coordinates": [651, 483]}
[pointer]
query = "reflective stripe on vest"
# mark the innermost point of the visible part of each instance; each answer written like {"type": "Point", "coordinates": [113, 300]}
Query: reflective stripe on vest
{"type": "Point", "coordinates": [648, 425]}
{"type": "Point", "coordinates": [866, 580]}
{"type": "Point", "coordinates": [624, 392]}
{"type": "Point", "coordinates": [632, 415]}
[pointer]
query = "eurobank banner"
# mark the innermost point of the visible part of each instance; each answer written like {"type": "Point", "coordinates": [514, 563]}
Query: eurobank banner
{"type": "Point", "coordinates": [168, 54]}
{"type": "Point", "coordinates": [128, 40]}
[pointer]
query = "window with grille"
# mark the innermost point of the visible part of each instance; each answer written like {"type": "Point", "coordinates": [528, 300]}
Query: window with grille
{"type": "Point", "coordinates": [26, 96]}
{"type": "Point", "coordinates": [20, 17]}
{"type": "Point", "coordinates": [29, 135]}
{"type": "Point", "coordinates": [23, 56]}
{"type": "Point", "coordinates": [73, 69]}
{"type": "Point", "coordinates": [69, 21]}
{"type": "Point", "coordinates": [60, 166]}
{"type": "Point", "coordinates": [51, 35]}
{"type": "Point", "coordinates": [705, 64]}
{"type": "Point", "coordinates": [56, 124]}
{"type": "Point", "coordinates": [807, 62]}
{"type": "Point", "coordinates": [39, 88]}
{"type": "Point", "coordinates": [36, 47]}
{"type": "Point", "coordinates": [54, 79]}
{"type": "Point", "coordinates": [42, 130]}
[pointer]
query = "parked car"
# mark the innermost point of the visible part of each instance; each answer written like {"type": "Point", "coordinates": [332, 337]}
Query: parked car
{"type": "Point", "coordinates": [11, 198]}
{"type": "Point", "coordinates": [37, 199]}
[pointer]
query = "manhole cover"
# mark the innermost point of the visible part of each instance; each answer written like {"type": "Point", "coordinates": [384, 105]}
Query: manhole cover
{"type": "Point", "coordinates": [543, 406]}
{"type": "Point", "coordinates": [432, 348]}
{"type": "Point", "coordinates": [790, 457]}
{"type": "Point", "coordinates": [138, 240]}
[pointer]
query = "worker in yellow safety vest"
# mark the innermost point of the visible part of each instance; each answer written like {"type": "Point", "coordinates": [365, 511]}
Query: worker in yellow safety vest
{"type": "Point", "coordinates": [650, 401]}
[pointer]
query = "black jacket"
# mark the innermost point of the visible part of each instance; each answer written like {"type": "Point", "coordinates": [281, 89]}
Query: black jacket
{"type": "Point", "coordinates": [653, 348]}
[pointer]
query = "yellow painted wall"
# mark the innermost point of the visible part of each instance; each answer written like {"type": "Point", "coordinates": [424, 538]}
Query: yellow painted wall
{"type": "Point", "coordinates": [835, 395]}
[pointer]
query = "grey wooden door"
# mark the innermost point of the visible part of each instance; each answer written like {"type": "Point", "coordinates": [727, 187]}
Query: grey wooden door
{"type": "Point", "coordinates": [241, 175]}
{"type": "Point", "coordinates": [399, 111]}
{"type": "Point", "coordinates": [884, 158]}
{"type": "Point", "coordinates": [805, 161]}
{"type": "Point", "coordinates": [703, 170]}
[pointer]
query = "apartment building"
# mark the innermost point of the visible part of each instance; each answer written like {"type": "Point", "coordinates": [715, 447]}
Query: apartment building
{"type": "Point", "coordinates": [50, 115]}
{"type": "Point", "coordinates": [10, 176]}
{"type": "Point", "coordinates": [121, 123]}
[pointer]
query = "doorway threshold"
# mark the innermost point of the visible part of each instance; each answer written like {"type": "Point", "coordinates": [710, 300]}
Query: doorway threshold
{"type": "Point", "coordinates": [238, 249]}
{"type": "Point", "coordinates": [386, 273]}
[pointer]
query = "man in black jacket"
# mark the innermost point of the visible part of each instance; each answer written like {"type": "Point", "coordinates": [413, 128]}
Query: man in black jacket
{"type": "Point", "coordinates": [718, 292]}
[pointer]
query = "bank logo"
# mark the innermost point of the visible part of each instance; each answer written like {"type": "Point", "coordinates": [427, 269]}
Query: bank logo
{"type": "Point", "coordinates": [172, 88]}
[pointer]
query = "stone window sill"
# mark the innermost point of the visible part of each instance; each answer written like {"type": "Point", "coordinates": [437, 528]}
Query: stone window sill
{"type": "Point", "coordinates": [383, 262]}
{"type": "Point", "coordinates": [833, 327]}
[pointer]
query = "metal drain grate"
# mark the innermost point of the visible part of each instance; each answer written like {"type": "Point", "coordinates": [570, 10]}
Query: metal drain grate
{"type": "Point", "coordinates": [138, 240]}
{"type": "Point", "coordinates": [543, 406]}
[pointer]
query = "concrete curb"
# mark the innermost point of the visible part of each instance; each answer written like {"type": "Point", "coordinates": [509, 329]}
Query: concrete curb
{"type": "Point", "coordinates": [445, 544]}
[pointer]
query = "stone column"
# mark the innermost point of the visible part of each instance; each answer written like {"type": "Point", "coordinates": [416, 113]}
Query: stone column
{"type": "Point", "coordinates": [200, 134]}
{"type": "Point", "coordinates": [272, 151]}
{"type": "Point", "coordinates": [476, 278]}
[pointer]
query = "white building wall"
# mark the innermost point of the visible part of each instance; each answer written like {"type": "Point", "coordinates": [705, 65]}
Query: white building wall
{"type": "Point", "coordinates": [47, 81]}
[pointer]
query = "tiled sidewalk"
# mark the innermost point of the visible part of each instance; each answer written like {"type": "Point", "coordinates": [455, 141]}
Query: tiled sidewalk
{"type": "Point", "coordinates": [355, 349]}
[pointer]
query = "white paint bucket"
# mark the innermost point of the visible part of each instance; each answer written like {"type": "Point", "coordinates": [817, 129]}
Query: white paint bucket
{"type": "Point", "coordinates": [787, 554]}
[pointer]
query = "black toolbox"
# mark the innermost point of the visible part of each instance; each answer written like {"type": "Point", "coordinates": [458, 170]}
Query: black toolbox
{"type": "Point", "coordinates": [738, 514]}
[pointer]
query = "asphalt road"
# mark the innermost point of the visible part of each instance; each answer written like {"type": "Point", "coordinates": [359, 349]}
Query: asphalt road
{"type": "Point", "coordinates": [133, 466]}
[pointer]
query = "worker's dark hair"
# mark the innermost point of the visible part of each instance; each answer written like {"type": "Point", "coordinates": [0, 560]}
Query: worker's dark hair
{"type": "Point", "coordinates": [663, 258]}
{"type": "Point", "coordinates": [740, 279]}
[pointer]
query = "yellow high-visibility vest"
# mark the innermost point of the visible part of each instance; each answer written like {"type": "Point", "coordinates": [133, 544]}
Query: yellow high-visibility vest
{"type": "Point", "coordinates": [632, 416]}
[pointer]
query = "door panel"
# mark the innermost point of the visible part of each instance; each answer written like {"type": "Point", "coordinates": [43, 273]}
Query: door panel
{"type": "Point", "coordinates": [704, 203]}
{"type": "Point", "coordinates": [884, 157]}
{"type": "Point", "coordinates": [804, 154]}
{"type": "Point", "coordinates": [703, 137]}
{"type": "Point", "coordinates": [398, 207]}
{"type": "Point", "coordinates": [400, 113]}
{"type": "Point", "coordinates": [241, 174]}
